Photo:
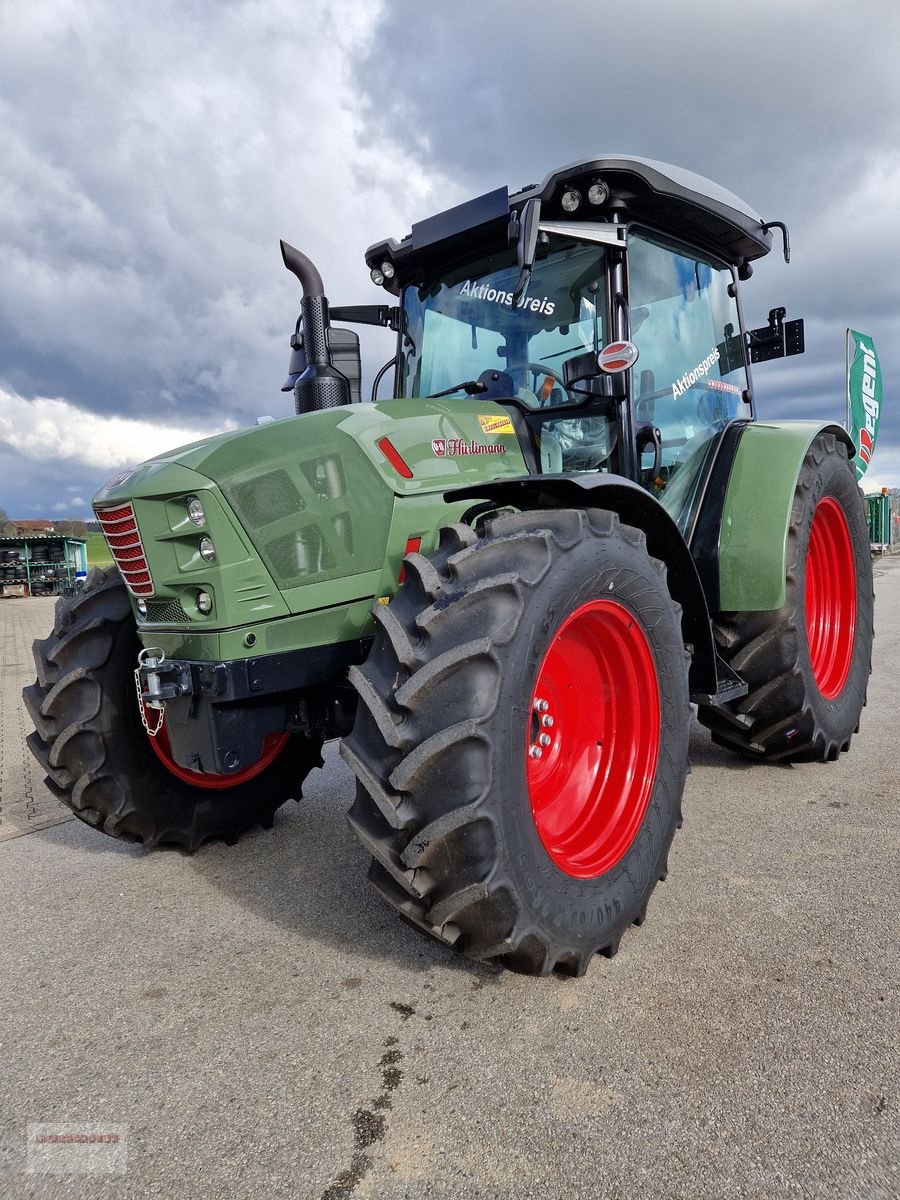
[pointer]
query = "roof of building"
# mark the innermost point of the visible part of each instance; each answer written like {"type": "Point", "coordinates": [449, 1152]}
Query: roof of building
{"type": "Point", "coordinates": [42, 537]}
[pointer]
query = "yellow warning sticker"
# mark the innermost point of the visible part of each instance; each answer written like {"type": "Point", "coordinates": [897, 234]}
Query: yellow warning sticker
{"type": "Point", "coordinates": [496, 424]}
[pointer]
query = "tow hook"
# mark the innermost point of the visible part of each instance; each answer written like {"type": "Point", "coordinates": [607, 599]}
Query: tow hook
{"type": "Point", "coordinates": [160, 680]}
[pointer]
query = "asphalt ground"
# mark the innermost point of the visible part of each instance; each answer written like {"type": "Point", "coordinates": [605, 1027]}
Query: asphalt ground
{"type": "Point", "coordinates": [256, 1022]}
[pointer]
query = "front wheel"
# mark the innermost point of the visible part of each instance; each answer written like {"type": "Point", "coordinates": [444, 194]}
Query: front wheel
{"type": "Point", "coordinates": [521, 741]}
{"type": "Point", "coordinates": [99, 759]}
{"type": "Point", "coordinates": [807, 664]}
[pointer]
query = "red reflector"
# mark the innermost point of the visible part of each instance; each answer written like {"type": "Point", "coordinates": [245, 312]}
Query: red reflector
{"type": "Point", "coordinates": [391, 453]}
{"type": "Point", "coordinates": [618, 356]}
{"type": "Point", "coordinates": [413, 545]}
{"type": "Point", "coordinates": [125, 554]}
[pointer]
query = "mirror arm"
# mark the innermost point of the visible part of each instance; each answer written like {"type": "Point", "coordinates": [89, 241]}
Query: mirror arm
{"type": "Point", "coordinates": [527, 227]}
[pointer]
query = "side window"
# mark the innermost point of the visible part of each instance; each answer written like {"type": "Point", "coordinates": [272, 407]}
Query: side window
{"type": "Point", "coordinates": [681, 313]}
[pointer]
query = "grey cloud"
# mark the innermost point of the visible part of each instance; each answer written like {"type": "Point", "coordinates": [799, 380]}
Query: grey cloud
{"type": "Point", "coordinates": [795, 106]}
{"type": "Point", "coordinates": [30, 489]}
{"type": "Point", "coordinates": [776, 97]}
{"type": "Point", "coordinates": [151, 156]}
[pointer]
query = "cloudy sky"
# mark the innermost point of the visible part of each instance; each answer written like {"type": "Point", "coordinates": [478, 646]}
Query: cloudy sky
{"type": "Point", "coordinates": [151, 155]}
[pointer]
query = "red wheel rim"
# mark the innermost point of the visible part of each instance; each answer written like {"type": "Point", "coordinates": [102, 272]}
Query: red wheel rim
{"type": "Point", "coordinates": [590, 786]}
{"type": "Point", "coordinates": [830, 598]}
{"type": "Point", "coordinates": [272, 747]}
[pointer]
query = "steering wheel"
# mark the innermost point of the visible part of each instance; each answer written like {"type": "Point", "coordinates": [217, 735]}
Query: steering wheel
{"type": "Point", "coordinates": [550, 377]}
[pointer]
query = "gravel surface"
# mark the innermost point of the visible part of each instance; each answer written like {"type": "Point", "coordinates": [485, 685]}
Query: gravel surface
{"type": "Point", "coordinates": [260, 1024]}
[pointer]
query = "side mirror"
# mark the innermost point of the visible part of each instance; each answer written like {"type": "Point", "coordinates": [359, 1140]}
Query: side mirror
{"type": "Point", "coordinates": [343, 347]}
{"type": "Point", "coordinates": [527, 229]}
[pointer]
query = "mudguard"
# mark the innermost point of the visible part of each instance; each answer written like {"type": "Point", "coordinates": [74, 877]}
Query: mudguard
{"type": "Point", "coordinates": [752, 550]}
{"type": "Point", "coordinates": [637, 507]}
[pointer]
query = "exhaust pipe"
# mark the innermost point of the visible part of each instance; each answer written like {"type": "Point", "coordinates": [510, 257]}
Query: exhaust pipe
{"type": "Point", "coordinates": [321, 385]}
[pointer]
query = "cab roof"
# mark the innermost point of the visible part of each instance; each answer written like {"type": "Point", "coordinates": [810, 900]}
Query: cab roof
{"type": "Point", "coordinates": [669, 198]}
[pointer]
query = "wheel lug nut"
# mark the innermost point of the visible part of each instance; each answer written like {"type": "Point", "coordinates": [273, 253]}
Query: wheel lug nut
{"type": "Point", "coordinates": [541, 705]}
{"type": "Point", "coordinates": [545, 739]}
{"type": "Point", "coordinates": [535, 752]}
{"type": "Point", "coordinates": [547, 721]}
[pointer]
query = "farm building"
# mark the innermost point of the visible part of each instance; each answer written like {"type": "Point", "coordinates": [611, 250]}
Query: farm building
{"type": "Point", "coordinates": [41, 564]}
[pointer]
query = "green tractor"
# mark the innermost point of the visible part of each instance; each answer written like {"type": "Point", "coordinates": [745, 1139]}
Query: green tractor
{"type": "Point", "coordinates": [502, 588]}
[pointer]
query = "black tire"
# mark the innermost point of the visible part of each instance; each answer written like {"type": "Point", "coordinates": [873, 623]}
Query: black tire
{"type": "Point", "coordinates": [784, 716]}
{"type": "Point", "coordinates": [439, 742]}
{"type": "Point", "coordinates": [89, 738]}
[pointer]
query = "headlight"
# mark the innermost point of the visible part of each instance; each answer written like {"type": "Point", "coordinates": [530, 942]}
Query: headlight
{"type": "Point", "coordinates": [195, 511]}
{"type": "Point", "coordinates": [571, 199]}
{"type": "Point", "coordinates": [207, 549]}
{"type": "Point", "coordinates": [204, 603]}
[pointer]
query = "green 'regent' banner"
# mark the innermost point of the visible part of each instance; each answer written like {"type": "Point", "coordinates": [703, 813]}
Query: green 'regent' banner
{"type": "Point", "coordinates": [863, 397]}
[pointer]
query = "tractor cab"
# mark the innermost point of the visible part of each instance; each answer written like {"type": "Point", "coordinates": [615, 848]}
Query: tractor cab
{"type": "Point", "coordinates": [600, 307]}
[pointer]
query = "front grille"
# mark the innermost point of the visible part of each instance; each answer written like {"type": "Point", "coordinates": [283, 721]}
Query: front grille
{"type": "Point", "coordinates": [299, 513]}
{"type": "Point", "coordinates": [121, 532]}
{"type": "Point", "coordinates": [168, 612]}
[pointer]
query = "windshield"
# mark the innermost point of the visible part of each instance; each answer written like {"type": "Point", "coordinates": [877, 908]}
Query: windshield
{"type": "Point", "coordinates": [462, 324]}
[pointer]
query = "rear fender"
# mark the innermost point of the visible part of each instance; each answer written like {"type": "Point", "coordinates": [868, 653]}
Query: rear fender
{"type": "Point", "coordinates": [636, 507]}
{"type": "Point", "coordinates": [753, 533]}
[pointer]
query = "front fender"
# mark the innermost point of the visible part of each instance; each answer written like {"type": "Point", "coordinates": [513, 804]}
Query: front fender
{"type": "Point", "coordinates": [636, 507]}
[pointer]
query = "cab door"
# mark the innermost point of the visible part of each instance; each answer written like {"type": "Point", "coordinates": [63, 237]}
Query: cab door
{"type": "Point", "coordinates": [686, 382]}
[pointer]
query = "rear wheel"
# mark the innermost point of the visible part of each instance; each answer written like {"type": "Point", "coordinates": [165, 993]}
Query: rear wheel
{"type": "Point", "coordinates": [521, 741]}
{"type": "Point", "coordinates": [98, 756]}
{"type": "Point", "coordinates": [807, 664]}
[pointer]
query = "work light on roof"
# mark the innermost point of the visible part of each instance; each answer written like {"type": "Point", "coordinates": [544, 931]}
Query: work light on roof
{"type": "Point", "coordinates": [571, 200]}
{"type": "Point", "coordinates": [387, 269]}
{"type": "Point", "coordinates": [377, 276]}
{"type": "Point", "coordinates": [598, 192]}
